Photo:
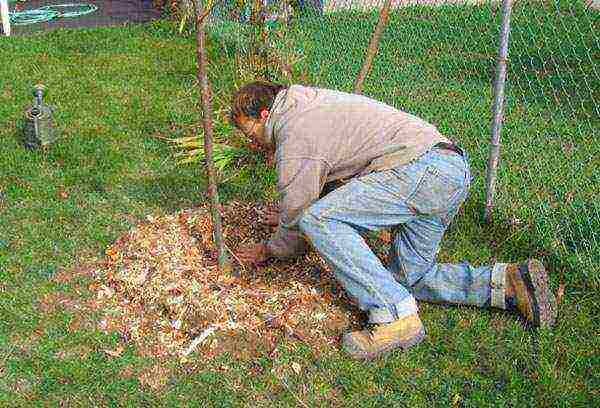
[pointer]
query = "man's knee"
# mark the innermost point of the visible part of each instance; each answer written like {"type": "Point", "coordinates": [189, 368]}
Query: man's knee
{"type": "Point", "coordinates": [309, 219]}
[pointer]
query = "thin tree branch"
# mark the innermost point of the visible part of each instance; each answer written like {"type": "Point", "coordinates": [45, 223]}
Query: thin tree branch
{"type": "Point", "coordinates": [205, 96]}
{"type": "Point", "coordinates": [373, 46]}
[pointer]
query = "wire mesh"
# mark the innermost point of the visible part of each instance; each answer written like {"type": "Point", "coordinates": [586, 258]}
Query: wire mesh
{"type": "Point", "coordinates": [437, 60]}
{"type": "Point", "coordinates": [553, 116]}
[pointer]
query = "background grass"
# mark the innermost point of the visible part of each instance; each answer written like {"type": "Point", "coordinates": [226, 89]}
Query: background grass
{"type": "Point", "coordinates": [118, 91]}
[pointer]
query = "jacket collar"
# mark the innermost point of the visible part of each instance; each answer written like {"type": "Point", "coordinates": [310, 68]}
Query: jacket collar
{"type": "Point", "coordinates": [274, 115]}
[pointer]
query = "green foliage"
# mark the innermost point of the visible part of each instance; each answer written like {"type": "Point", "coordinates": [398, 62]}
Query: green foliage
{"type": "Point", "coordinates": [192, 151]}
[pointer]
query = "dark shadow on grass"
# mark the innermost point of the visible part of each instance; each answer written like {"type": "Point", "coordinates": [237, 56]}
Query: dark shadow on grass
{"type": "Point", "coordinates": [508, 240]}
{"type": "Point", "coordinates": [186, 186]}
{"type": "Point", "coordinates": [170, 192]}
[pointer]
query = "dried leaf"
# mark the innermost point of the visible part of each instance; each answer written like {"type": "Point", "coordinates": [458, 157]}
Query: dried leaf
{"type": "Point", "coordinates": [198, 340]}
{"type": "Point", "coordinates": [161, 283]}
{"type": "Point", "coordinates": [385, 236]}
{"type": "Point", "coordinates": [116, 352]}
{"type": "Point", "coordinates": [297, 368]}
{"type": "Point", "coordinates": [126, 372]}
{"type": "Point", "coordinates": [155, 377]}
{"type": "Point", "coordinates": [560, 292]}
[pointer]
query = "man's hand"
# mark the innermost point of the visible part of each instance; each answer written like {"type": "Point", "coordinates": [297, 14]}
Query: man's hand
{"type": "Point", "coordinates": [253, 254]}
{"type": "Point", "coordinates": [269, 154]}
{"type": "Point", "coordinates": [269, 217]}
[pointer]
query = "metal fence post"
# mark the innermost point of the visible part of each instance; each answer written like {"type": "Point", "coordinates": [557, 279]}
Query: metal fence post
{"type": "Point", "coordinates": [497, 109]}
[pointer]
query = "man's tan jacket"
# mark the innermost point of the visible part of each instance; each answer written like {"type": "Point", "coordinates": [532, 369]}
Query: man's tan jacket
{"type": "Point", "coordinates": [322, 135]}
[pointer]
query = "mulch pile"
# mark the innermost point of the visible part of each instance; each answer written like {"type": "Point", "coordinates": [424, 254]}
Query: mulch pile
{"type": "Point", "coordinates": [161, 290]}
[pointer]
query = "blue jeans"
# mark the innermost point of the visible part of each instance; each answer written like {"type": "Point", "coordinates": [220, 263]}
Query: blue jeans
{"type": "Point", "coordinates": [419, 200]}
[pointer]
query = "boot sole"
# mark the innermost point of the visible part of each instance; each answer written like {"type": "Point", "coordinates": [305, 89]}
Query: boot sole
{"type": "Point", "coordinates": [542, 298]}
{"type": "Point", "coordinates": [402, 344]}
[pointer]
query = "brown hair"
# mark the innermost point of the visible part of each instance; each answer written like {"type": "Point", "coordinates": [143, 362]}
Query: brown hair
{"type": "Point", "coordinates": [252, 98]}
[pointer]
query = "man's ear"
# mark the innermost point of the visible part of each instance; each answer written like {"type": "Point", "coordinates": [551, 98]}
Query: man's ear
{"type": "Point", "coordinates": [264, 114]}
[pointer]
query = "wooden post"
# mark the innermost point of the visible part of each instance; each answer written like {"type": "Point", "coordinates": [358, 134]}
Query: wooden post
{"type": "Point", "coordinates": [497, 110]}
{"type": "Point", "coordinates": [373, 46]}
{"type": "Point", "coordinates": [5, 17]}
{"type": "Point", "coordinates": [205, 96]}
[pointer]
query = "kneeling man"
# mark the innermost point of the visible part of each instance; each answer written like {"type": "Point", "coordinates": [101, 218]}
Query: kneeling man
{"type": "Point", "coordinates": [403, 174]}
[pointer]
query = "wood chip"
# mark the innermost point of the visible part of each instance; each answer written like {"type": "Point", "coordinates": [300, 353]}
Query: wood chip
{"type": "Point", "coordinates": [160, 284]}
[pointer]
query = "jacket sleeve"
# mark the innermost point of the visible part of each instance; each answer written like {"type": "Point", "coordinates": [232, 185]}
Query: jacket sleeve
{"type": "Point", "coordinates": [300, 183]}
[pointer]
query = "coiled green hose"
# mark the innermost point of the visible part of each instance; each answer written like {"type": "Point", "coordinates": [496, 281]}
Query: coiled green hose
{"type": "Point", "coordinates": [48, 13]}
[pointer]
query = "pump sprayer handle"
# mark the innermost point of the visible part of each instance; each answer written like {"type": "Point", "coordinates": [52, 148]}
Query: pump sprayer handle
{"type": "Point", "coordinates": [38, 93]}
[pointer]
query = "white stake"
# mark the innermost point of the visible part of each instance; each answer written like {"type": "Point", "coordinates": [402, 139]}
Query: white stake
{"type": "Point", "coordinates": [198, 340]}
{"type": "Point", "coordinates": [5, 17]}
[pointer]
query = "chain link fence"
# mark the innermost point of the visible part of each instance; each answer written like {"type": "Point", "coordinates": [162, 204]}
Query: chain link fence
{"type": "Point", "coordinates": [550, 172]}
{"type": "Point", "coordinates": [437, 59]}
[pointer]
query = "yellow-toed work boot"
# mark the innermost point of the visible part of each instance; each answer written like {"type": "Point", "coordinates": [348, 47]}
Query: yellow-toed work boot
{"type": "Point", "coordinates": [370, 343]}
{"type": "Point", "coordinates": [528, 293]}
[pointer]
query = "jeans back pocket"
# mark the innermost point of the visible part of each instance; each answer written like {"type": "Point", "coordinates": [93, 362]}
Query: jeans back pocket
{"type": "Point", "coordinates": [434, 193]}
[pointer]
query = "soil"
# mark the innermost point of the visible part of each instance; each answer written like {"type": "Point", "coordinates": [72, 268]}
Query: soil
{"type": "Point", "coordinates": [159, 288]}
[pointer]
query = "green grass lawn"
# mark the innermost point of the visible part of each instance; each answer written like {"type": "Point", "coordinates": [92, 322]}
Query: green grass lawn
{"type": "Point", "coordinates": [119, 91]}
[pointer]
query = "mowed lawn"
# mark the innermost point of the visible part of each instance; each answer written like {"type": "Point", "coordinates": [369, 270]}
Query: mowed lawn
{"type": "Point", "coordinates": [118, 92]}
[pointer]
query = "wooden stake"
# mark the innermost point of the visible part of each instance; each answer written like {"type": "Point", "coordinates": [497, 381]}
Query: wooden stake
{"type": "Point", "coordinates": [5, 17]}
{"type": "Point", "coordinates": [373, 46]}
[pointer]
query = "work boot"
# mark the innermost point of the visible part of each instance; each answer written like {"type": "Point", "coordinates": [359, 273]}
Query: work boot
{"type": "Point", "coordinates": [368, 344]}
{"type": "Point", "coordinates": [527, 292]}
